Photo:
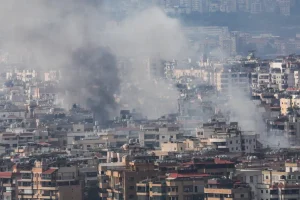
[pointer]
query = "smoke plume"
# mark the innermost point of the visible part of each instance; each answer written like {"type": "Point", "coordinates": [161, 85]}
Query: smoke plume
{"type": "Point", "coordinates": [80, 40]}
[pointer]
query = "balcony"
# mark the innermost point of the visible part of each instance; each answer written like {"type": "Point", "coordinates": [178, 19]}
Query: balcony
{"type": "Point", "coordinates": [66, 178]}
{"type": "Point", "coordinates": [26, 176]}
{"type": "Point", "coordinates": [217, 191]}
{"type": "Point", "coordinates": [118, 197]}
{"type": "Point", "coordinates": [48, 186]}
{"type": "Point", "coordinates": [7, 184]}
{"type": "Point", "coordinates": [25, 196]}
{"type": "Point", "coordinates": [118, 188]}
{"type": "Point", "coordinates": [103, 185]}
{"type": "Point", "coordinates": [46, 177]}
{"type": "Point", "coordinates": [48, 195]}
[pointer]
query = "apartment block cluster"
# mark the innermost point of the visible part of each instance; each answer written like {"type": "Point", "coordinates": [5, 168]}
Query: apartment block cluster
{"type": "Point", "coordinates": [272, 84]}
{"type": "Point", "coordinates": [228, 6]}
{"type": "Point", "coordinates": [51, 152]}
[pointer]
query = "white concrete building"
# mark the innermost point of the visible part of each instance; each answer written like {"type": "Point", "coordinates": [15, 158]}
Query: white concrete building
{"type": "Point", "coordinates": [155, 135]}
{"type": "Point", "coordinates": [246, 142]}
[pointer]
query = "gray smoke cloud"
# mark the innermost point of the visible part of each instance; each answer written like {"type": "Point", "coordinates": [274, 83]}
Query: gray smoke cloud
{"type": "Point", "coordinates": [93, 74]}
{"type": "Point", "coordinates": [80, 40]}
{"type": "Point", "coordinates": [246, 112]}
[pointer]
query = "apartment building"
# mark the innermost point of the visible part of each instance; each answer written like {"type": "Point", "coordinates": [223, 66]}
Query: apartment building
{"type": "Point", "coordinates": [22, 74]}
{"type": "Point", "coordinates": [177, 73]}
{"type": "Point", "coordinates": [173, 147]}
{"type": "Point", "coordinates": [121, 181]}
{"type": "Point", "coordinates": [12, 114]}
{"type": "Point", "coordinates": [213, 166]}
{"type": "Point", "coordinates": [227, 137]}
{"type": "Point", "coordinates": [104, 179]}
{"type": "Point", "coordinates": [246, 142]}
{"type": "Point", "coordinates": [292, 130]}
{"type": "Point", "coordinates": [260, 79]}
{"type": "Point", "coordinates": [7, 186]}
{"type": "Point", "coordinates": [285, 7]}
{"type": "Point", "coordinates": [230, 78]}
{"type": "Point", "coordinates": [13, 140]}
{"type": "Point", "coordinates": [250, 176]}
{"type": "Point", "coordinates": [87, 140]}
{"type": "Point", "coordinates": [218, 189]}
{"type": "Point", "coordinates": [154, 135]}
{"type": "Point", "coordinates": [278, 80]}
{"type": "Point", "coordinates": [288, 103]}
{"type": "Point", "coordinates": [179, 186]}
{"type": "Point", "coordinates": [42, 182]}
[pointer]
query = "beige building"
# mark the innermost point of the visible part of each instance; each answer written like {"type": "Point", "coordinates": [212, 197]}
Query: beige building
{"type": "Point", "coordinates": [7, 185]}
{"type": "Point", "coordinates": [187, 72]}
{"type": "Point", "coordinates": [175, 186]}
{"type": "Point", "coordinates": [280, 184]}
{"type": "Point", "coordinates": [192, 144]}
{"type": "Point", "coordinates": [42, 182]}
{"type": "Point", "coordinates": [220, 189]}
{"type": "Point", "coordinates": [119, 182]}
{"type": "Point", "coordinates": [286, 103]}
{"type": "Point", "coordinates": [90, 140]}
{"type": "Point", "coordinates": [173, 147]}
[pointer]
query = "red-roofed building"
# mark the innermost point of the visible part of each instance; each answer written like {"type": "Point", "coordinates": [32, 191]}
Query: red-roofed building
{"type": "Point", "coordinates": [50, 171]}
{"type": "Point", "coordinates": [7, 185]}
{"type": "Point", "coordinates": [5, 175]}
{"type": "Point", "coordinates": [187, 175]}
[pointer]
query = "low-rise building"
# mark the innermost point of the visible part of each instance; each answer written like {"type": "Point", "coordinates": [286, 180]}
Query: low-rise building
{"type": "Point", "coordinates": [218, 189]}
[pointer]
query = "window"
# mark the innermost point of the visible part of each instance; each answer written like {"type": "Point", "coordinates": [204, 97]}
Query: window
{"type": "Point", "coordinates": [251, 179]}
{"type": "Point", "coordinates": [267, 177]}
{"type": "Point", "coordinates": [188, 189]}
{"type": "Point", "coordinates": [267, 191]}
{"type": "Point", "coordinates": [282, 177]}
{"type": "Point", "coordinates": [188, 198]}
{"type": "Point", "coordinates": [242, 195]}
{"type": "Point", "coordinates": [230, 142]}
{"type": "Point", "coordinates": [262, 191]}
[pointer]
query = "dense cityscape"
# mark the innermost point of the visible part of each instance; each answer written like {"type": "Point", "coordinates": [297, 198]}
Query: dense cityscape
{"type": "Point", "coordinates": [149, 100]}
